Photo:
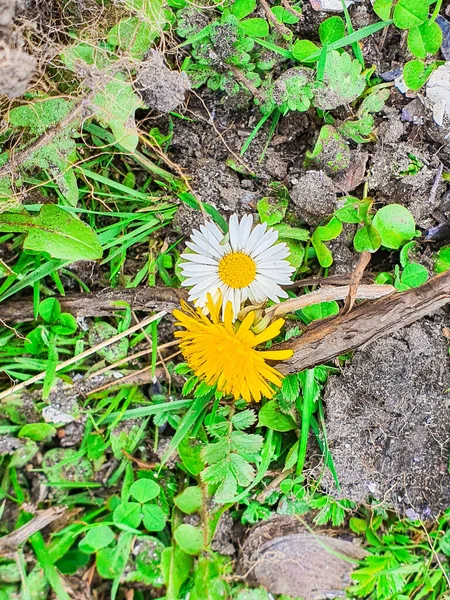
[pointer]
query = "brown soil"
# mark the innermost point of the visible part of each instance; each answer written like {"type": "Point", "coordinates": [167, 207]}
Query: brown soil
{"type": "Point", "coordinates": [387, 421]}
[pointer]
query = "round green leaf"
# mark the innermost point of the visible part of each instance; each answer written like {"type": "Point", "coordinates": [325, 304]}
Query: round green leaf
{"type": "Point", "coordinates": [38, 432]}
{"type": "Point", "coordinates": [189, 538]}
{"type": "Point", "coordinates": [50, 310]}
{"type": "Point", "coordinates": [331, 30]}
{"type": "Point", "coordinates": [414, 275]}
{"type": "Point", "coordinates": [367, 239]}
{"type": "Point", "coordinates": [128, 513]}
{"type": "Point", "coordinates": [321, 310]}
{"type": "Point", "coordinates": [284, 16]}
{"type": "Point", "coordinates": [442, 260]}
{"type": "Point", "coordinates": [66, 325]}
{"type": "Point", "coordinates": [34, 342]}
{"type": "Point", "coordinates": [416, 74]}
{"type": "Point", "coordinates": [395, 224]}
{"type": "Point", "coordinates": [270, 416]}
{"type": "Point", "coordinates": [153, 517]}
{"type": "Point", "coordinates": [410, 13]}
{"type": "Point", "coordinates": [242, 8]}
{"type": "Point", "coordinates": [303, 49]}
{"type": "Point", "coordinates": [255, 27]}
{"type": "Point", "coordinates": [425, 39]}
{"type": "Point", "coordinates": [144, 490]}
{"type": "Point", "coordinates": [190, 500]}
{"type": "Point", "coordinates": [96, 538]}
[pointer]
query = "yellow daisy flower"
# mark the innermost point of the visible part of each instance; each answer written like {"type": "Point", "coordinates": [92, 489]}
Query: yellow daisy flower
{"type": "Point", "coordinates": [224, 353]}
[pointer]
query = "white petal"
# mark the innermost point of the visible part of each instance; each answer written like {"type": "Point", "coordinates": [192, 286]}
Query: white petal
{"type": "Point", "coordinates": [255, 238]}
{"type": "Point", "coordinates": [204, 250]}
{"type": "Point", "coordinates": [208, 243]}
{"type": "Point", "coordinates": [196, 270]}
{"type": "Point", "coordinates": [245, 228]}
{"type": "Point", "coordinates": [269, 239]}
{"type": "Point", "coordinates": [233, 229]}
{"type": "Point", "coordinates": [278, 251]}
{"type": "Point", "coordinates": [202, 288]}
{"type": "Point", "coordinates": [272, 290]}
{"type": "Point", "coordinates": [198, 258]}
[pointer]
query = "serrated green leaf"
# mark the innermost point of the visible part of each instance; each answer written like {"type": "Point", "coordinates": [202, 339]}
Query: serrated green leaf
{"type": "Point", "coordinates": [342, 81]}
{"type": "Point", "coordinates": [245, 443]}
{"type": "Point", "coordinates": [243, 419]}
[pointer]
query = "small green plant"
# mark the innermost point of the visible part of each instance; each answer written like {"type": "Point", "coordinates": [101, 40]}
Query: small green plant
{"type": "Point", "coordinates": [45, 337]}
{"type": "Point", "coordinates": [424, 35]}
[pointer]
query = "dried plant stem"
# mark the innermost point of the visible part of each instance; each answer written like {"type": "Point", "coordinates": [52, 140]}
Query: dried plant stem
{"type": "Point", "coordinates": [367, 292]}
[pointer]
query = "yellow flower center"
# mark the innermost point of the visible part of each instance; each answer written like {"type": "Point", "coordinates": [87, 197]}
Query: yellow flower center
{"type": "Point", "coordinates": [237, 269]}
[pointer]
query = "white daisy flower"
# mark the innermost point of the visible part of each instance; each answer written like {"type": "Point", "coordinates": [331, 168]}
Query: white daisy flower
{"type": "Point", "coordinates": [246, 264]}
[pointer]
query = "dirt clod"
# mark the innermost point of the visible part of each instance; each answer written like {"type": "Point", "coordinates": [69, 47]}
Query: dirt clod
{"type": "Point", "coordinates": [387, 418]}
{"type": "Point", "coordinates": [314, 197]}
{"type": "Point", "coordinates": [285, 558]}
{"type": "Point", "coordinates": [16, 69]}
{"type": "Point", "coordinates": [159, 87]}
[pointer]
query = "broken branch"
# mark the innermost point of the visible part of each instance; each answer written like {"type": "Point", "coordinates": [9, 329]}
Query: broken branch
{"type": "Point", "coordinates": [364, 324]}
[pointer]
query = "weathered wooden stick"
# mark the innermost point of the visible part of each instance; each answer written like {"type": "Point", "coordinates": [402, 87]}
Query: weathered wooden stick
{"type": "Point", "coordinates": [364, 324]}
{"type": "Point", "coordinates": [102, 303]}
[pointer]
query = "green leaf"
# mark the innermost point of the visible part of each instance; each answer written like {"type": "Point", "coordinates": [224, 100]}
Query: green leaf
{"type": "Point", "coordinates": [153, 517]}
{"type": "Point", "coordinates": [331, 30]}
{"type": "Point", "coordinates": [270, 416]}
{"type": "Point", "coordinates": [255, 27]}
{"type": "Point", "coordinates": [323, 254]}
{"type": "Point", "coordinates": [133, 35]}
{"type": "Point", "coordinates": [38, 116]}
{"type": "Point", "coordinates": [410, 13]}
{"type": "Point", "coordinates": [243, 419]}
{"type": "Point", "coordinates": [242, 8]}
{"type": "Point", "coordinates": [39, 432]}
{"type": "Point", "coordinates": [342, 81]}
{"type": "Point", "coordinates": [425, 39]}
{"type": "Point", "coordinates": [96, 539]}
{"type": "Point", "coordinates": [444, 543]}
{"type": "Point", "coordinates": [284, 16]}
{"type": "Point", "coordinates": [50, 310]}
{"type": "Point", "coordinates": [111, 562]}
{"type": "Point", "coordinates": [190, 451]}
{"type": "Point", "coordinates": [101, 331]}
{"type": "Point", "coordinates": [290, 388]}
{"type": "Point", "coordinates": [442, 260]}
{"type": "Point", "coordinates": [272, 210]}
{"type": "Point", "coordinates": [416, 74]}
{"type": "Point", "coordinates": [208, 584]}
{"type": "Point", "coordinates": [128, 513]}
{"type": "Point", "coordinates": [285, 231]}
{"type": "Point", "coordinates": [358, 525]}
{"type": "Point", "coordinates": [330, 231]}
{"type": "Point", "coordinates": [189, 539]}
{"type": "Point", "coordinates": [321, 310]}
{"type": "Point", "coordinates": [144, 490]}
{"type": "Point", "coordinates": [117, 104]}
{"type": "Point", "coordinates": [367, 239]}
{"type": "Point", "coordinates": [414, 275]}
{"type": "Point", "coordinates": [190, 500]}
{"type": "Point", "coordinates": [303, 49]}
{"type": "Point", "coordinates": [395, 224]}
{"type": "Point", "coordinates": [383, 8]}
{"type": "Point", "coordinates": [66, 325]}
{"type": "Point", "coordinates": [296, 252]}
{"type": "Point", "coordinates": [175, 566]}
{"type": "Point", "coordinates": [55, 231]}
{"type": "Point", "coordinates": [34, 342]}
